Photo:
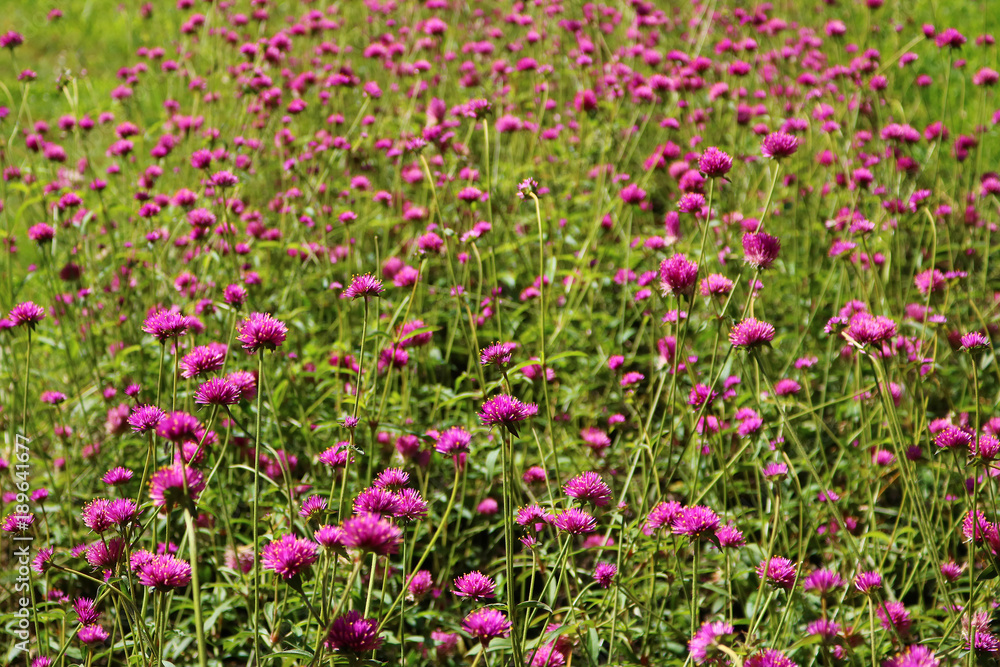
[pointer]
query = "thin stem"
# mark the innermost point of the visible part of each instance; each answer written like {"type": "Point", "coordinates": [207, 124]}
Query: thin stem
{"type": "Point", "coordinates": [256, 528]}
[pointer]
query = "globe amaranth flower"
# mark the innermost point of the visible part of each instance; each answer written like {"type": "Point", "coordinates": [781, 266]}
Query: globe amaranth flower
{"type": "Point", "coordinates": [353, 633]}
{"type": "Point", "coordinates": [714, 163]}
{"type": "Point", "coordinates": [768, 658]}
{"type": "Point", "coordinates": [411, 506]}
{"type": "Point", "coordinates": [474, 585]}
{"type": "Point", "coordinates": [95, 515]}
{"type": "Point", "coordinates": [695, 522]}
{"type": "Point", "coordinates": [604, 574]}
{"type": "Point", "coordinates": [260, 330]}
{"type": "Point", "coordinates": [85, 611]}
{"type": "Point", "coordinates": [365, 285]}
{"type": "Point", "coordinates": [917, 655]}
{"type": "Point", "coordinates": [289, 555]}
{"type": "Point", "coordinates": [677, 276]}
{"type": "Point", "coordinates": [575, 522]}
{"type": "Point", "coordinates": [486, 624]}
{"type": "Point", "coordinates": [778, 145]}
{"type": "Point", "coordinates": [18, 522]}
{"type": "Point", "coordinates": [760, 249]}
{"type": "Point", "coordinates": [166, 486]}
{"type": "Point", "coordinates": [778, 572]}
{"type": "Point", "coordinates": [751, 333]}
{"type": "Point", "coordinates": [453, 441]}
{"type": "Point", "coordinates": [164, 572]}
{"type": "Point", "coordinates": [703, 646]}
{"type": "Point", "coordinates": [868, 581]}
{"type": "Point", "coordinates": [165, 324]}
{"type": "Point", "coordinates": [661, 515]}
{"type": "Point", "coordinates": [371, 533]}
{"type": "Point", "coordinates": [497, 354]}
{"type": "Point", "coordinates": [92, 634]}
{"type": "Point", "coordinates": [822, 581]}
{"type": "Point", "coordinates": [117, 476]}
{"type": "Point", "coordinates": [506, 411]}
{"type": "Point", "coordinates": [382, 502]}
{"type": "Point", "coordinates": [217, 391]}
{"type": "Point", "coordinates": [894, 614]}
{"type": "Point", "coordinates": [203, 359]}
{"type": "Point", "coordinates": [589, 487]}
{"type": "Point", "coordinates": [27, 313]}
{"type": "Point", "coordinates": [975, 340]}
{"type": "Point", "coordinates": [105, 554]}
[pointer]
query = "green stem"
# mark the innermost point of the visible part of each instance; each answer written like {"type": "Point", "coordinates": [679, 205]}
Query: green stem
{"type": "Point", "coordinates": [256, 529]}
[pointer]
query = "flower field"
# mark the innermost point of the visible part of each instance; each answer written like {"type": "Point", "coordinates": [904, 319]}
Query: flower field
{"type": "Point", "coordinates": [460, 332]}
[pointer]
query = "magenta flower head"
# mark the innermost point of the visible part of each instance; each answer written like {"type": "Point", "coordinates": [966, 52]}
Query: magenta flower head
{"type": "Point", "coordinates": [453, 441]}
{"type": "Point", "coordinates": [117, 476]}
{"type": "Point", "coordinates": [695, 522]}
{"type": "Point", "coordinates": [778, 572]}
{"type": "Point", "coordinates": [779, 145]}
{"type": "Point", "coordinates": [526, 188]}
{"type": "Point", "coordinates": [486, 624]}
{"type": "Point", "coordinates": [751, 333]}
{"type": "Point", "coordinates": [365, 286]}
{"type": "Point", "coordinates": [975, 340]}
{"type": "Point", "coordinates": [575, 522]}
{"type": "Point", "coordinates": [917, 655]}
{"type": "Point", "coordinates": [92, 634]}
{"type": "Point", "coordinates": [235, 295]}
{"type": "Point", "coordinates": [760, 249]}
{"type": "Point", "coordinates": [768, 658]}
{"type": "Point", "coordinates": [866, 582]}
{"type": "Point", "coordinates": [18, 522]}
{"type": "Point", "coordinates": [27, 313]}
{"type": "Point", "coordinates": [605, 573]}
{"type": "Point", "coordinates": [714, 163]}
{"type": "Point", "coordinates": [145, 418]}
{"type": "Point", "coordinates": [164, 572]}
{"type": "Point", "coordinates": [41, 233]}
{"type": "Point", "coordinates": [678, 276]}
{"type": "Point", "coordinates": [371, 533]}
{"type": "Point", "coordinates": [289, 556]}
{"type": "Point", "coordinates": [166, 486]}
{"type": "Point", "coordinates": [353, 633]}
{"type": "Point", "coordinates": [704, 643]}
{"type": "Point", "coordinates": [217, 391]}
{"type": "Point", "coordinates": [506, 411]}
{"type": "Point", "coordinates": [474, 585]}
{"type": "Point", "coordinates": [95, 515]}
{"type": "Point", "coordinates": [589, 487]}
{"type": "Point", "coordinates": [497, 354]}
{"type": "Point", "coordinates": [224, 179]}
{"type": "Point", "coordinates": [260, 330]}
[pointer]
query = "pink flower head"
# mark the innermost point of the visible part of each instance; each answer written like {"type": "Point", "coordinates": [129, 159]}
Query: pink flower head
{"type": "Point", "coordinates": [779, 145]}
{"type": "Point", "coordinates": [164, 572]}
{"type": "Point", "coordinates": [260, 330]}
{"type": "Point", "coordinates": [760, 249]}
{"type": "Point", "coordinates": [474, 585]}
{"type": "Point", "coordinates": [365, 286]}
{"type": "Point", "coordinates": [751, 333]}
{"type": "Point", "coordinates": [289, 556]}
{"type": "Point", "coordinates": [486, 624]}
{"type": "Point", "coordinates": [714, 163]}
{"type": "Point", "coordinates": [353, 633]}
{"type": "Point", "coordinates": [677, 276]}
{"type": "Point", "coordinates": [28, 314]}
{"type": "Point", "coordinates": [778, 572]}
{"type": "Point", "coordinates": [505, 411]}
{"type": "Point", "coordinates": [589, 487]}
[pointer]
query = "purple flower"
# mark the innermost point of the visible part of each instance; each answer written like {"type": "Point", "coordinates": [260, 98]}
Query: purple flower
{"type": "Point", "coordinates": [353, 633]}
{"type": "Point", "coordinates": [217, 391]}
{"type": "Point", "coordinates": [497, 354]}
{"type": "Point", "coordinates": [18, 522]}
{"type": "Point", "coordinates": [661, 515]}
{"type": "Point", "coordinates": [917, 655]}
{"type": "Point", "coordinates": [104, 555]}
{"type": "Point", "coordinates": [714, 163]}
{"type": "Point", "coordinates": [704, 642]}
{"type": "Point", "coordinates": [235, 295]}
{"type": "Point", "coordinates": [691, 202]}
{"type": "Point", "coordinates": [420, 584]}
{"type": "Point", "coordinates": [974, 340]}
{"type": "Point", "coordinates": [779, 572]}
{"type": "Point", "coordinates": [371, 533]}
{"type": "Point", "coordinates": [575, 522]}
{"type": "Point", "coordinates": [822, 581]}
{"type": "Point", "coordinates": [330, 537]}
{"type": "Point", "coordinates": [165, 324]}
{"type": "Point", "coordinates": [506, 411]}
{"type": "Point", "coordinates": [486, 624]}
{"type": "Point", "coordinates": [760, 249]}
{"type": "Point", "coordinates": [474, 585]}
{"type": "Point", "coordinates": [868, 581]}
{"type": "Point", "coordinates": [260, 330]}
{"type": "Point", "coordinates": [27, 313]}
{"type": "Point", "coordinates": [768, 658]}
{"type": "Point", "coordinates": [95, 515]}
{"type": "Point", "coordinates": [604, 574]}
{"type": "Point", "coordinates": [364, 286]}
{"type": "Point", "coordinates": [289, 555]}
{"type": "Point", "coordinates": [695, 522]}
{"type": "Point", "coordinates": [86, 613]}
{"type": "Point", "coordinates": [526, 188]}
{"type": "Point", "coordinates": [632, 194]}
{"type": "Point", "coordinates": [92, 634]}
{"type": "Point", "coordinates": [224, 179]}
{"type": "Point", "coordinates": [312, 505]}
{"type": "Point", "coordinates": [588, 487]}
{"type": "Point", "coordinates": [894, 614]}
{"type": "Point", "coordinates": [751, 333]}
{"type": "Point", "coordinates": [166, 486]}
{"type": "Point", "coordinates": [453, 441]}
{"type": "Point", "coordinates": [164, 572]}
{"type": "Point", "coordinates": [779, 145]}
{"type": "Point", "coordinates": [729, 536]}
{"type": "Point", "coordinates": [376, 501]}
{"type": "Point", "coordinates": [122, 512]}
{"type": "Point", "coordinates": [715, 284]}
{"type": "Point", "coordinates": [203, 359]}
{"type": "Point", "coordinates": [677, 276]}
{"type": "Point", "coordinates": [949, 37]}
{"type": "Point", "coordinates": [41, 233]}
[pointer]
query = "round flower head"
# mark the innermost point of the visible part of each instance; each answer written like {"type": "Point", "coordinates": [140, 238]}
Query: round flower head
{"type": "Point", "coordinates": [203, 359]}
{"type": "Point", "coordinates": [506, 411]}
{"type": "Point", "coordinates": [372, 533]}
{"type": "Point", "coordinates": [217, 391]}
{"type": "Point", "coordinates": [330, 537]}
{"type": "Point", "coordinates": [768, 658]}
{"type": "Point", "coordinates": [474, 585]}
{"type": "Point", "coordinates": [235, 295]}
{"type": "Point", "coordinates": [975, 341]}
{"type": "Point", "coordinates": [165, 324]}
{"type": "Point", "coordinates": [588, 487]}
{"type": "Point", "coordinates": [363, 286]}
{"type": "Point", "coordinates": [420, 584]}
{"type": "Point", "coordinates": [27, 313]}
{"type": "Point", "coordinates": [760, 249]}
{"type": "Point", "coordinates": [714, 163]}
{"type": "Point", "coordinates": [575, 522]}
{"type": "Point", "coordinates": [92, 634]}
{"type": "Point", "coordinates": [164, 572]}
{"type": "Point", "coordinates": [778, 572]}
{"type": "Point", "coordinates": [486, 624]}
{"type": "Point", "coordinates": [95, 515]}
{"type": "Point", "coordinates": [289, 556]}
{"type": "Point", "coordinates": [353, 633]}
{"type": "Point", "coordinates": [453, 441]}
{"type": "Point", "coordinates": [604, 574]}
{"type": "Point", "coordinates": [695, 521]}
{"type": "Point", "coordinates": [894, 614]}
{"type": "Point", "coordinates": [868, 581]}
{"type": "Point", "coordinates": [166, 486]}
{"type": "Point", "coordinates": [260, 330]}
{"type": "Point", "coordinates": [677, 276]}
{"type": "Point", "coordinates": [18, 522]}
{"type": "Point", "coordinates": [497, 354]}
{"type": "Point", "coordinates": [378, 501]}
{"type": "Point", "coordinates": [224, 179]}
{"type": "Point", "coordinates": [779, 145]}
{"type": "Point", "coordinates": [917, 655]}
{"type": "Point", "coordinates": [117, 476]}
{"type": "Point", "coordinates": [822, 581]}
{"type": "Point", "coordinates": [86, 613]}
{"type": "Point", "coordinates": [751, 333]}
{"type": "Point", "coordinates": [704, 643]}
{"type": "Point", "coordinates": [526, 188]}
{"type": "Point", "coordinates": [105, 554]}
